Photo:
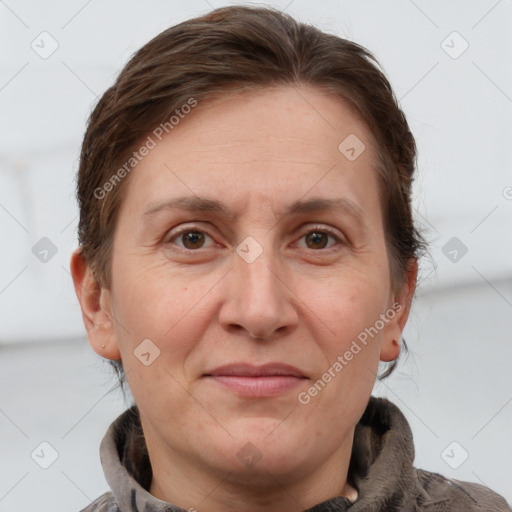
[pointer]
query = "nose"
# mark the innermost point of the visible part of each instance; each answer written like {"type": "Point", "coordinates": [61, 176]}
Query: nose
{"type": "Point", "coordinates": [260, 301]}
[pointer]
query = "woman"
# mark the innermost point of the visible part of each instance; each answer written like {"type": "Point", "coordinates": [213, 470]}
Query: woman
{"type": "Point", "coordinates": [247, 257]}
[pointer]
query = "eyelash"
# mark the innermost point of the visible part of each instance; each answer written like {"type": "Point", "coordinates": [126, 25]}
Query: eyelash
{"type": "Point", "coordinates": [315, 229]}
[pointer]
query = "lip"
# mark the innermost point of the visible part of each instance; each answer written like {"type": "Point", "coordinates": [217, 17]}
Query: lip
{"type": "Point", "coordinates": [249, 370]}
{"type": "Point", "coordinates": [266, 380]}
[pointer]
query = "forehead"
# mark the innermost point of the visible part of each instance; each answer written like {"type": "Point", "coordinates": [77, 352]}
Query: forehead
{"type": "Point", "coordinates": [274, 144]}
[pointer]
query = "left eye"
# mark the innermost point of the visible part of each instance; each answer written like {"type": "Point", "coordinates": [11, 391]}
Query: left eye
{"type": "Point", "coordinates": [318, 238]}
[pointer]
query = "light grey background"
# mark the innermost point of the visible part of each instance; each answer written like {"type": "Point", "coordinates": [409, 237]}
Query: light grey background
{"type": "Point", "coordinates": [456, 385]}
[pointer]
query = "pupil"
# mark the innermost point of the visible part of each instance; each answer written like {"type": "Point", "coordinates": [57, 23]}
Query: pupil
{"type": "Point", "coordinates": [195, 238]}
{"type": "Point", "coordinates": [316, 237]}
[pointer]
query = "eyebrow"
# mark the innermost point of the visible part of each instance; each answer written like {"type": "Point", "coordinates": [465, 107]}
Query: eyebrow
{"type": "Point", "coordinates": [203, 204]}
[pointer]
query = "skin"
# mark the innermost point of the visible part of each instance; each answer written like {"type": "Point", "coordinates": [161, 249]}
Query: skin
{"type": "Point", "coordinates": [302, 301]}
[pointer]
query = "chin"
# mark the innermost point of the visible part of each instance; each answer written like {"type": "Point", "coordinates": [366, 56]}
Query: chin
{"type": "Point", "coordinates": [262, 447]}
{"type": "Point", "coordinates": [265, 469]}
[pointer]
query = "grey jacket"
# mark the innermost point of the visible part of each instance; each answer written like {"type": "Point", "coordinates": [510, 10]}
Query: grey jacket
{"type": "Point", "coordinates": [380, 469]}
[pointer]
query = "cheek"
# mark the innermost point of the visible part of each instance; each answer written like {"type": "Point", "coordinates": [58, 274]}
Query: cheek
{"type": "Point", "coordinates": [160, 304]}
{"type": "Point", "coordinates": [351, 302]}
{"type": "Point", "coordinates": [163, 309]}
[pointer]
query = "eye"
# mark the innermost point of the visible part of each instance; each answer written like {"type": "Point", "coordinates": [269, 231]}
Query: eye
{"type": "Point", "coordinates": [318, 238]}
{"type": "Point", "coordinates": [191, 239]}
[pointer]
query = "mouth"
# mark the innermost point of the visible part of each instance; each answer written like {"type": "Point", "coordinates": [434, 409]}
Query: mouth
{"type": "Point", "coordinates": [267, 380]}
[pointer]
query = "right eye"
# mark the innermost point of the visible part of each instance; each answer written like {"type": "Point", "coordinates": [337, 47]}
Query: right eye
{"type": "Point", "coordinates": [190, 237]}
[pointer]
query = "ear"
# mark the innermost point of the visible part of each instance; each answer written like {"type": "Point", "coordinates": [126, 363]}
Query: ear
{"type": "Point", "coordinates": [401, 305]}
{"type": "Point", "coordinates": [96, 308]}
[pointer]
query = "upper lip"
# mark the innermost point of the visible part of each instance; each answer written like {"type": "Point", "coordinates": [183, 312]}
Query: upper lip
{"type": "Point", "coordinates": [249, 370]}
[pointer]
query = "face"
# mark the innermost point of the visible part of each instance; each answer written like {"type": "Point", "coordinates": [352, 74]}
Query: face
{"type": "Point", "coordinates": [246, 238]}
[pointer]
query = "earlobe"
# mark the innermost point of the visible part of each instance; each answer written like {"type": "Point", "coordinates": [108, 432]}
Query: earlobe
{"type": "Point", "coordinates": [392, 344]}
{"type": "Point", "coordinates": [96, 308]}
{"type": "Point", "coordinates": [391, 350]}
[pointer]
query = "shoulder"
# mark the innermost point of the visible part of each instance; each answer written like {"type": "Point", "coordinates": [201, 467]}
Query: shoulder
{"type": "Point", "coordinates": [105, 503]}
{"type": "Point", "coordinates": [441, 493]}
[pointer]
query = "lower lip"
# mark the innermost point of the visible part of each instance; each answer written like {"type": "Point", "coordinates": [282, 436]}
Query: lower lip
{"type": "Point", "coordinates": [269, 385]}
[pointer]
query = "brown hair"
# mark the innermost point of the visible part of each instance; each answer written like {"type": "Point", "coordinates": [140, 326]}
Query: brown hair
{"type": "Point", "coordinates": [230, 48]}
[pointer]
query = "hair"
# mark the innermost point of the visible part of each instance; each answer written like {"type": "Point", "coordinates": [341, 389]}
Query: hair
{"type": "Point", "coordinates": [227, 49]}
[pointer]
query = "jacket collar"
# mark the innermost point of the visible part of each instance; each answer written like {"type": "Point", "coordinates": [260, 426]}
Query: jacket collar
{"type": "Point", "coordinates": [380, 467]}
